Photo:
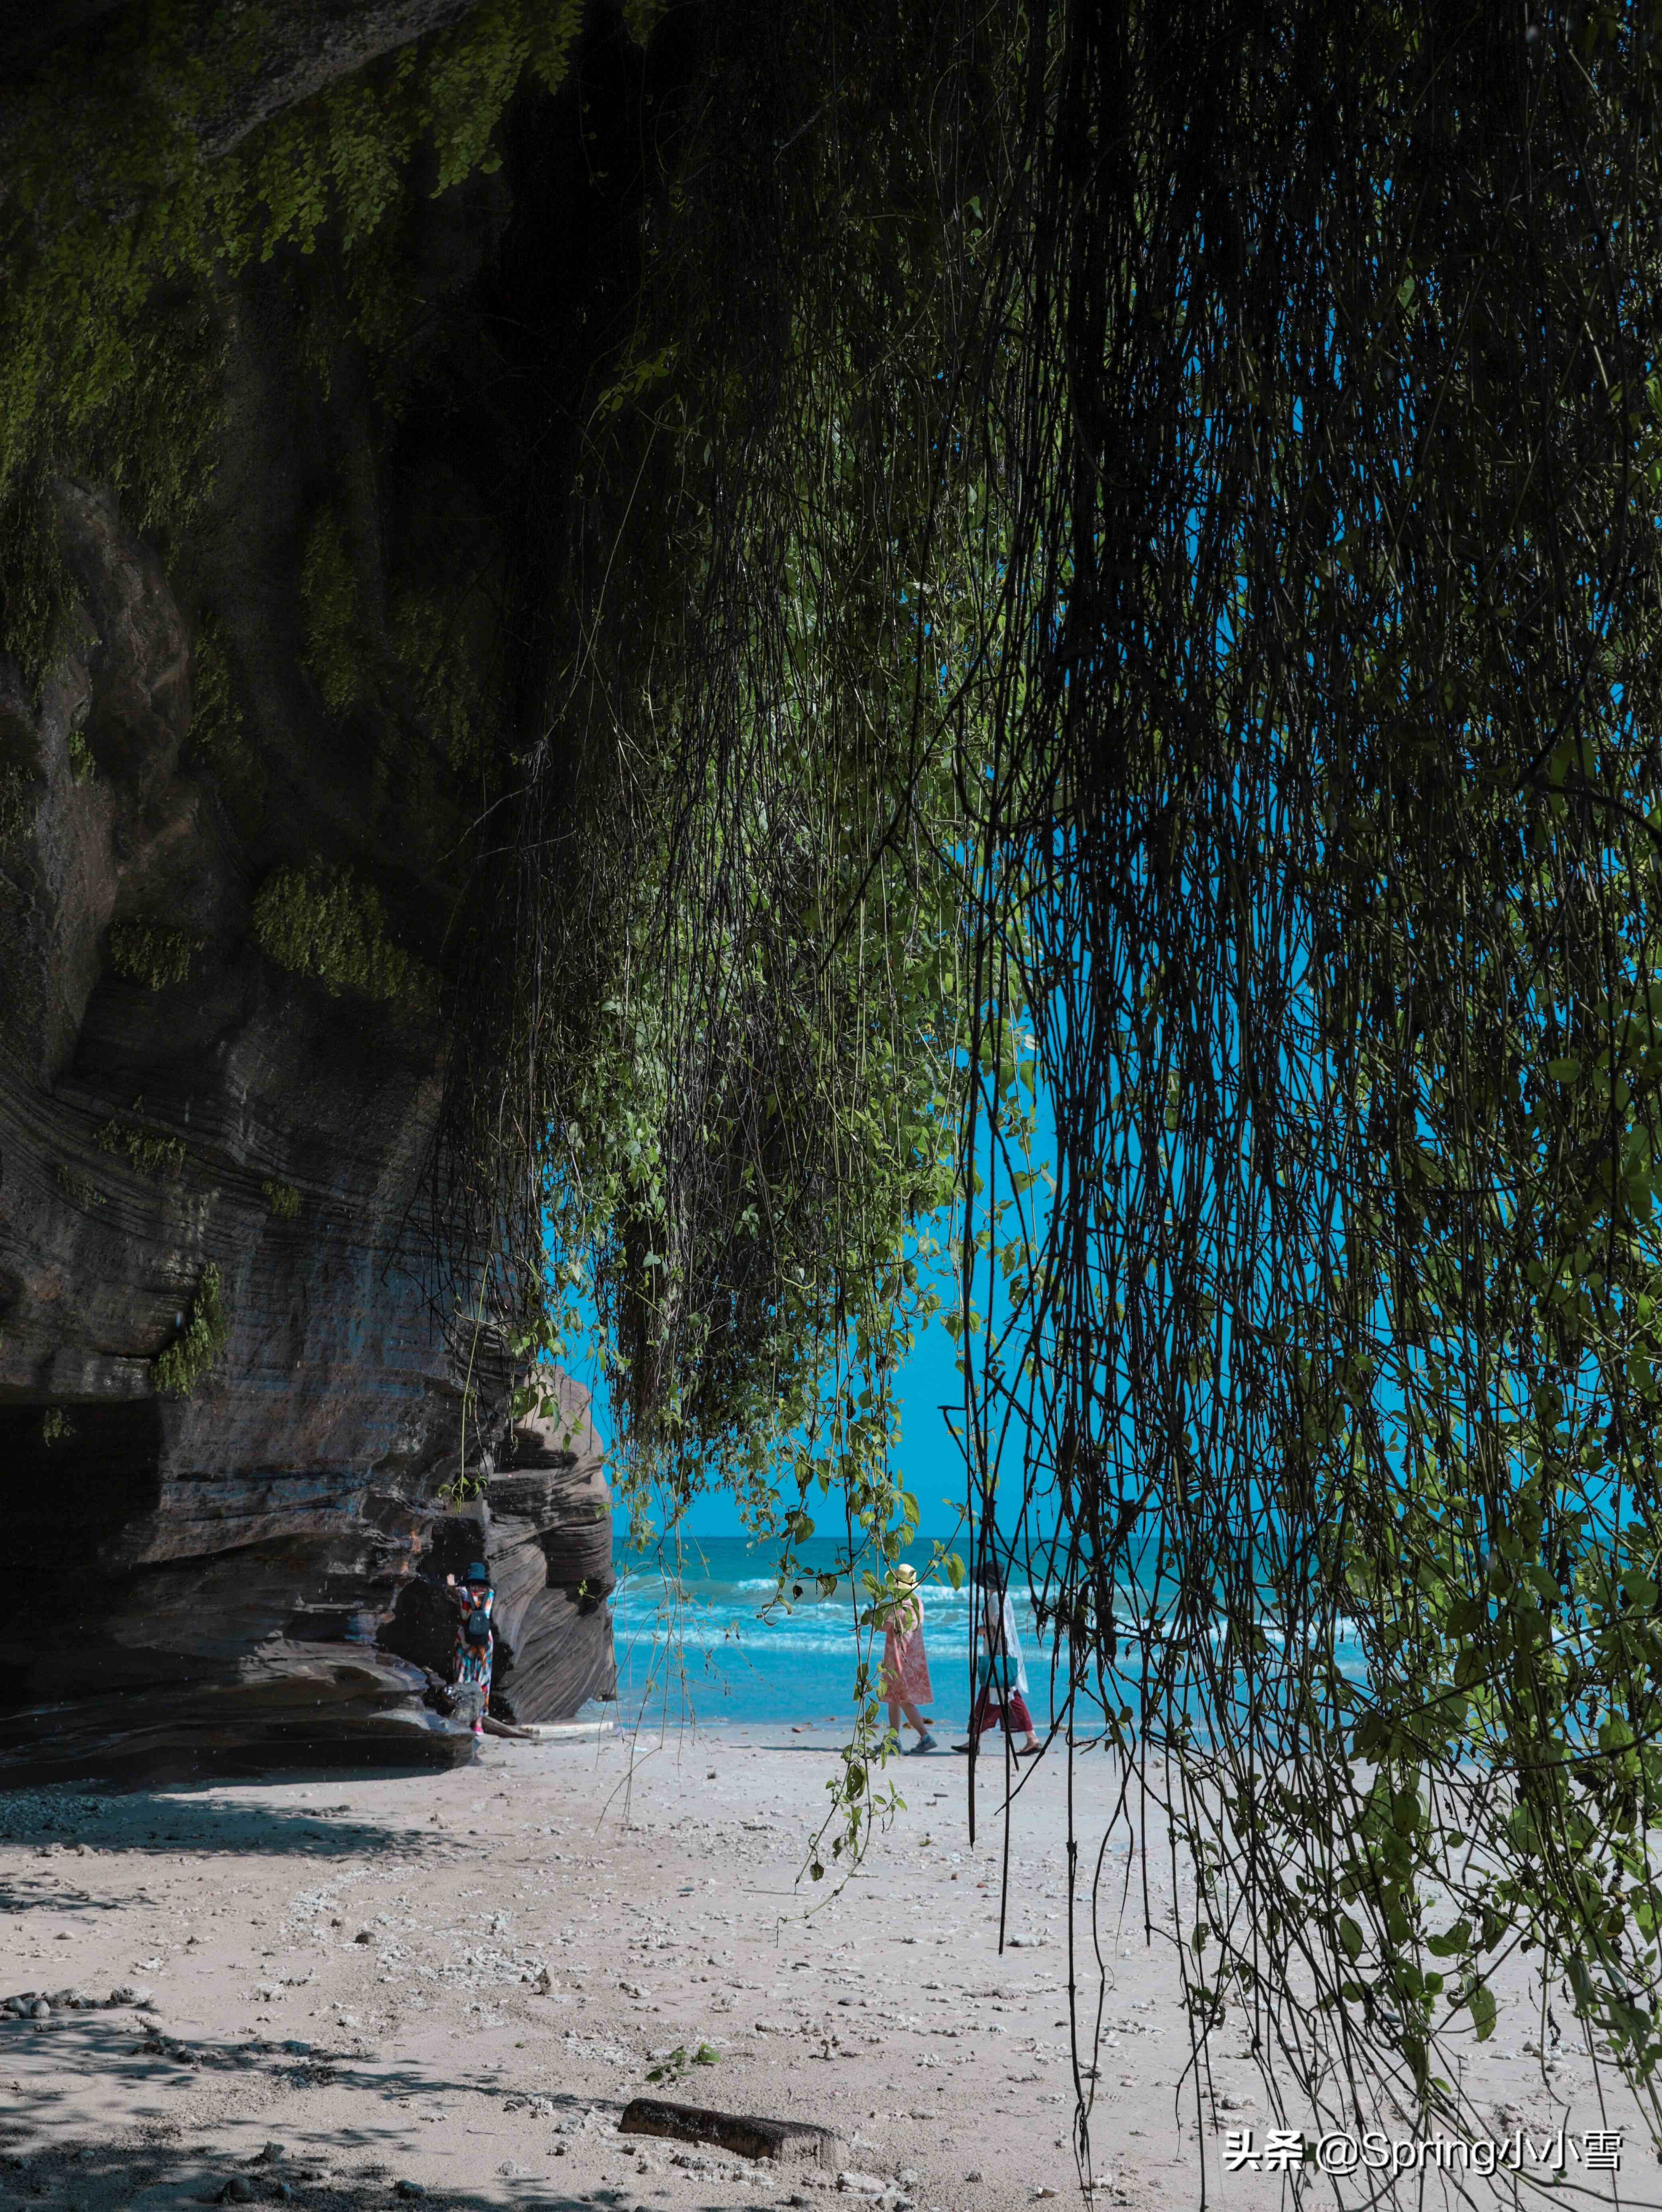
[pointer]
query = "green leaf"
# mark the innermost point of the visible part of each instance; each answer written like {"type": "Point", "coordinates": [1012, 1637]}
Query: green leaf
{"type": "Point", "coordinates": [1452, 1941]}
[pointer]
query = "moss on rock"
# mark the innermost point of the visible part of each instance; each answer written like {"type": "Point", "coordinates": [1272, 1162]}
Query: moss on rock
{"type": "Point", "coordinates": [283, 1198]}
{"type": "Point", "coordinates": [326, 922]}
{"type": "Point", "coordinates": [79, 1190]}
{"type": "Point", "coordinates": [215, 717]}
{"type": "Point", "coordinates": [150, 1151]}
{"type": "Point", "coordinates": [450, 654]}
{"type": "Point", "coordinates": [151, 953]}
{"type": "Point", "coordinates": [331, 604]}
{"type": "Point", "coordinates": [111, 346]}
{"type": "Point", "coordinates": [181, 1368]}
{"type": "Point", "coordinates": [35, 585]}
{"type": "Point", "coordinates": [14, 802]}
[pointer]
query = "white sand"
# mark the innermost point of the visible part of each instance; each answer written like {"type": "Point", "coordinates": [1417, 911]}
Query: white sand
{"type": "Point", "coordinates": [393, 1930]}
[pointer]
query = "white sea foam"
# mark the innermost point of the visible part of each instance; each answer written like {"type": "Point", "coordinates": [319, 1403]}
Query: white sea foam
{"type": "Point", "coordinates": [800, 1660]}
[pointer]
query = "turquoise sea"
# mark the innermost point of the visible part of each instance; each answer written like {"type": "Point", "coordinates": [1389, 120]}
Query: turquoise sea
{"type": "Point", "coordinates": [708, 1639]}
{"type": "Point", "coordinates": [690, 1642]}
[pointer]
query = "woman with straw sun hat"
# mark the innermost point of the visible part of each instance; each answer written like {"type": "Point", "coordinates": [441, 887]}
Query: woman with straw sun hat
{"type": "Point", "coordinates": [906, 1663]}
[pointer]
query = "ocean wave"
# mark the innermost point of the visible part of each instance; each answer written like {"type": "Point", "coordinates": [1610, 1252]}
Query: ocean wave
{"type": "Point", "coordinates": [703, 1633]}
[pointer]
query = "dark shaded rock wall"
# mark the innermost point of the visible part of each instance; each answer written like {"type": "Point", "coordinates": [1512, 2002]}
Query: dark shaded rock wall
{"type": "Point", "coordinates": [244, 686]}
{"type": "Point", "coordinates": [215, 1572]}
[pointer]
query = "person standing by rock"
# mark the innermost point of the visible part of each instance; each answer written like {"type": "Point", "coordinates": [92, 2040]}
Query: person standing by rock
{"type": "Point", "coordinates": [475, 1643]}
{"type": "Point", "coordinates": [905, 1681]}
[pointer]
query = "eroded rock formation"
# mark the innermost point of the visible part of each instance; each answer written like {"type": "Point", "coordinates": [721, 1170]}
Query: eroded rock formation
{"type": "Point", "coordinates": [282, 645]}
{"type": "Point", "coordinates": [226, 1576]}
{"type": "Point", "coordinates": [542, 1526]}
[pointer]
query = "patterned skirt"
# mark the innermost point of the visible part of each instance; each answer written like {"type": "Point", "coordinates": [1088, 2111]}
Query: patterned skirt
{"type": "Point", "coordinates": [906, 1667]}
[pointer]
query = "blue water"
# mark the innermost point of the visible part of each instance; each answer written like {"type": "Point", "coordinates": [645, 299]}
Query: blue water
{"type": "Point", "coordinates": [713, 1643]}
{"type": "Point", "coordinates": [694, 1646]}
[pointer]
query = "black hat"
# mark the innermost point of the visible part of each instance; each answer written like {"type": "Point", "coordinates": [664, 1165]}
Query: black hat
{"type": "Point", "coordinates": [478, 1572]}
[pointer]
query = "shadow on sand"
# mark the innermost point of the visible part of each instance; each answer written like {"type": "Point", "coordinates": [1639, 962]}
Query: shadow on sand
{"type": "Point", "coordinates": [209, 1816]}
{"type": "Point", "coordinates": [359, 2165]}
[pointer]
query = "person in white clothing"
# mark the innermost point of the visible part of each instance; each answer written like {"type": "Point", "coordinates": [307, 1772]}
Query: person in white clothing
{"type": "Point", "coordinates": [1001, 1675]}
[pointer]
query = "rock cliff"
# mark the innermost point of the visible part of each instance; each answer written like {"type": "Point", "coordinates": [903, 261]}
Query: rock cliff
{"type": "Point", "coordinates": [275, 644]}
{"type": "Point", "coordinates": [542, 1525]}
{"type": "Point", "coordinates": [234, 1408]}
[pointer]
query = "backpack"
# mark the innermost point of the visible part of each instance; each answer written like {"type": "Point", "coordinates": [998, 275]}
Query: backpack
{"type": "Point", "coordinates": [477, 1628]}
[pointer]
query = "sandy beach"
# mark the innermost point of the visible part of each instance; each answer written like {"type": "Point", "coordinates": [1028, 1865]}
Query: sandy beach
{"type": "Point", "coordinates": [361, 1989]}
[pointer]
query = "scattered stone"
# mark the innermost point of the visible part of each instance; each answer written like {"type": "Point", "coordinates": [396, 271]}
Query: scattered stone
{"type": "Point", "coordinates": [632, 1988]}
{"type": "Point", "coordinates": [272, 2154]}
{"type": "Point", "coordinates": [236, 2191]}
{"type": "Point", "coordinates": [364, 1936]}
{"type": "Point", "coordinates": [790, 2140]}
{"type": "Point", "coordinates": [40, 2010]}
{"type": "Point", "coordinates": [974, 2174]}
{"type": "Point", "coordinates": [855, 2183]}
{"type": "Point", "coordinates": [408, 2189]}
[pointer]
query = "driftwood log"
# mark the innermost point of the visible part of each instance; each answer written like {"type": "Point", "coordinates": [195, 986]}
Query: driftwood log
{"type": "Point", "coordinates": [798, 2142]}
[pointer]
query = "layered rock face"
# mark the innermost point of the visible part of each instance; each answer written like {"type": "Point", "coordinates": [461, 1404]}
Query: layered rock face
{"type": "Point", "coordinates": [254, 792]}
{"type": "Point", "coordinates": [542, 1526]}
{"type": "Point", "coordinates": [230, 1576]}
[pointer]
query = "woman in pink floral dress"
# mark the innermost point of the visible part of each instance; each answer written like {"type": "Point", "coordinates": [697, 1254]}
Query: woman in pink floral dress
{"type": "Point", "coordinates": [905, 1681]}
